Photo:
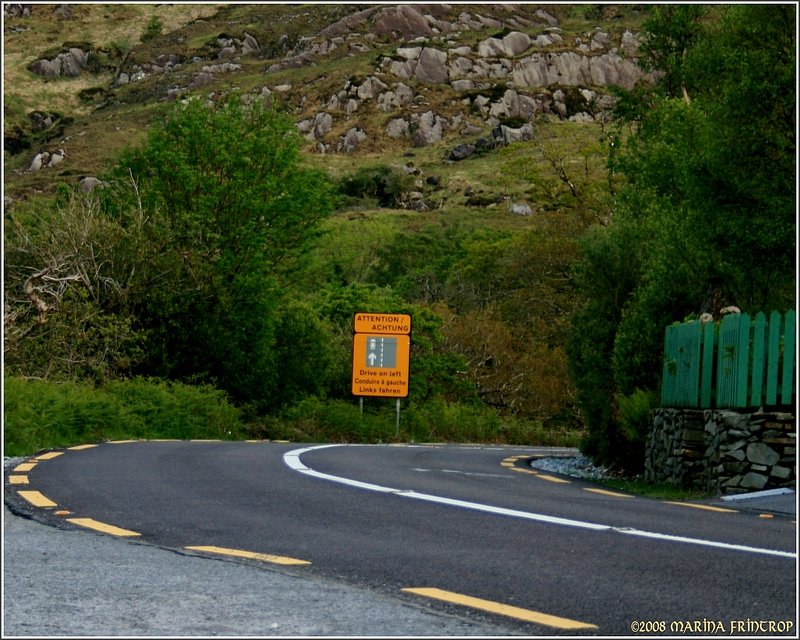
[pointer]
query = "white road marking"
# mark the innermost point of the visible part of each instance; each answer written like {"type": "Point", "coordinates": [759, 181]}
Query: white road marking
{"type": "Point", "coordinates": [292, 460]}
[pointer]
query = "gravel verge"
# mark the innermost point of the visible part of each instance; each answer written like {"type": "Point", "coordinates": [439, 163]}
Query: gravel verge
{"type": "Point", "coordinates": [576, 466]}
{"type": "Point", "coordinates": [59, 582]}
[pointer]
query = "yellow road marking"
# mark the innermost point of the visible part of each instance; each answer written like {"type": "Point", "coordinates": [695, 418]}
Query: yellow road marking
{"type": "Point", "coordinates": [606, 492]}
{"type": "Point", "coordinates": [103, 527]}
{"type": "Point", "coordinates": [81, 447]}
{"type": "Point", "coordinates": [25, 466]}
{"type": "Point", "coordinates": [37, 499]}
{"type": "Point", "coordinates": [121, 441]}
{"type": "Point", "coordinates": [533, 473]}
{"type": "Point", "coordinates": [18, 480]}
{"type": "Point", "coordinates": [50, 456]}
{"type": "Point", "coordinates": [502, 609]}
{"type": "Point", "coordinates": [552, 478]}
{"type": "Point", "coordinates": [252, 555]}
{"type": "Point", "coordinates": [706, 507]}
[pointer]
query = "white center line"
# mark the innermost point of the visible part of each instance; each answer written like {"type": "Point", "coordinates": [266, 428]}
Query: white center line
{"type": "Point", "coordinates": [292, 460]}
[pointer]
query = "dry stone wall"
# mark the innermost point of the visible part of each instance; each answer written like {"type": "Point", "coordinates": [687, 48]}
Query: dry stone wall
{"type": "Point", "coordinates": [724, 452]}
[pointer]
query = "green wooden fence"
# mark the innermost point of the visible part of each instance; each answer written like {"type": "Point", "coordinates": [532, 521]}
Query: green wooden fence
{"type": "Point", "coordinates": [737, 363]}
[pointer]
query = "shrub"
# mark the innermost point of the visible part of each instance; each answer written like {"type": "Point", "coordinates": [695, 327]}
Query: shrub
{"type": "Point", "coordinates": [40, 415]}
{"type": "Point", "coordinates": [152, 29]}
{"type": "Point", "coordinates": [382, 185]}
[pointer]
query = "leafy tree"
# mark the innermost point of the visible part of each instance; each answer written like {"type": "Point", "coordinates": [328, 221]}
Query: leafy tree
{"type": "Point", "coordinates": [706, 214]}
{"type": "Point", "coordinates": [671, 32]}
{"type": "Point", "coordinates": [69, 273]}
{"type": "Point", "coordinates": [233, 213]}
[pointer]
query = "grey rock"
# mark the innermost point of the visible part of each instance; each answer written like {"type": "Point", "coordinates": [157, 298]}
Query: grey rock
{"type": "Point", "coordinates": [462, 152]}
{"type": "Point", "coordinates": [46, 68]}
{"type": "Point", "coordinates": [89, 183]}
{"type": "Point", "coordinates": [398, 128]}
{"type": "Point", "coordinates": [516, 43]}
{"type": "Point", "coordinates": [462, 85]}
{"type": "Point", "coordinates": [780, 472]}
{"type": "Point", "coordinates": [491, 48]}
{"type": "Point", "coordinates": [350, 141]}
{"type": "Point", "coordinates": [370, 88]}
{"type": "Point", "coordinates": [753, 480]}
{"type": "Point", "coordinates": [547, 17]}
{"type": "Point", "coordinates": [432, 66]}
{"type": "Point", "coordinates": [323, 123]}
{"type": "Point", "coordinates": [760, 453]}
{"type": "Point", "coordinates": [429, 130]}
{"type": "Point", "coordinates": [409, 53]}
{"type": "Point", "coordinates": [520, 209]}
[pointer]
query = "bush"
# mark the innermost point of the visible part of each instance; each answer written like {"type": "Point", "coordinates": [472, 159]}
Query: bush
{"type": "Point", "coordinates": [633, 417]}
{"type": "Point", "coordinates": [342, 421]}
{"type": "Point", "coordinates": [382, 185]}
{"type": "Point", "coordinates": [152, 29]}
{"type": "Point", "coordinates": [41, 415]}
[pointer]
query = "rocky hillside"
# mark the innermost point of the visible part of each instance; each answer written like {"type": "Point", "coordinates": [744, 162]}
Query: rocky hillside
{"type": "Point", "coordinates": [361, 81]}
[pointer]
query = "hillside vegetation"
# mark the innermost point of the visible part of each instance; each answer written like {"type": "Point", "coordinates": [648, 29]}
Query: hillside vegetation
{"type": "Point", "coordinates": [381, 158]}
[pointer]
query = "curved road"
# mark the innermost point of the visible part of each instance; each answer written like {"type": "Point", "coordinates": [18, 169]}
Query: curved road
{"type": "Point", "coordinates": [468, 530]}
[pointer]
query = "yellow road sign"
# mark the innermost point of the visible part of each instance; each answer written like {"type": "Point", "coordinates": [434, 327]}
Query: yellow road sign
{"type": "Point", "coordinates": [380, 365]}
{"type": "Point", "coordinates": [382, 323]}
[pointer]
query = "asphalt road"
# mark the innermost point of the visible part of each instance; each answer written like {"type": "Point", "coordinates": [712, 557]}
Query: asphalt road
{"type": "Point", "coordinates": [469, 533]}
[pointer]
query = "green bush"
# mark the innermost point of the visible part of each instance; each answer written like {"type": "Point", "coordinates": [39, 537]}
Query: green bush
{"type": "Point", "coordinates": [40, 415]}
{"type": "Point", "coordinates": [343, 421]}
{"type": "Point", "coordinates": [152, 29]}
{"type": "Point", "coordinates": [381, 185]}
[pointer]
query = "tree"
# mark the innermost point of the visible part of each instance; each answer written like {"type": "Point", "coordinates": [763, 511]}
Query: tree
{"type": "Point", "coordinates": [69, 272]}
{"type": "Point", "coordinates": [670, 33]}
{"type": "Point", "coordinates": [233, 213]}
{"type": "Point", "coordinates": [706, 214]}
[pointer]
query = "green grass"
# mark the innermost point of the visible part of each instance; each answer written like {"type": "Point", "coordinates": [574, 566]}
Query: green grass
{"type": "Point", "coordinates": [39, 415]}
{"type": "Point", "coordinates": [660, 491]}
{"type": "Point", "coordinates": [42, 415]}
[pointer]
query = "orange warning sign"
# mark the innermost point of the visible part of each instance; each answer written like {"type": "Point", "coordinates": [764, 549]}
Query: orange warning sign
{"type": "Point", "coordinates": [381, 349]}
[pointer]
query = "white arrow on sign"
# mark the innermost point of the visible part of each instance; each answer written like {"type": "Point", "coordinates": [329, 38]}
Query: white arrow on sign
{"type": "Point", "coordinates": [371, 357]}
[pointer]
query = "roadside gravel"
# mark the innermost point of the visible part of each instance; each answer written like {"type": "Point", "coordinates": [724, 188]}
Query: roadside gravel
{"type": "Point", "coordinates": [59, 582]}
{"type": "Point", "coordinates": [578, 466]}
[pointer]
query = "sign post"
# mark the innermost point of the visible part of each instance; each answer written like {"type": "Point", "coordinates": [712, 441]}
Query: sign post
{"type": "Point", "coordinates": [381, 348]}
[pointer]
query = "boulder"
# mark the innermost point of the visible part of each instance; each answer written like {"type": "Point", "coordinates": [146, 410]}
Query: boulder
{"type": "Point", "coordinates": [370, 88]}
{"type": "Point", "coordinates": [516, 43]}
{"type": "Point", "coordinates": [520, 209]}
{"type": "Point", "coordinates": [461, 152]}
{"type": "Point", "coordinates": [547, 17]}
{"type": "Point", "coordinates": [491, 48]}
{"type": "Point", "coordinates": [398, 128]}
{"type": "Point", "coordinates": [462, 85]}
{"type": "Point", "coordinates": [428, 131]}
{"type": "Point", "coordinates": [409, 53]}
{"type": "Point", "coordinates": [89, 183]}
{"type": "Point", "coordinates": [323, 123]}
{"type": "Point", "coordinates": [350, 141]}
{"type": "Point", "coordinates": [403, 21]}
{"type": "Point", "coordinates": [432, 66]}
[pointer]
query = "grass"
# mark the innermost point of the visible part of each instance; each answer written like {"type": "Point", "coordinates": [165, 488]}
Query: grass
{"type": "Point", "coordinates": [41, 415]}
{"type": "Point", "coordinates": [659, 491]}
{"type": "Point", "coordinates": [104, 27]}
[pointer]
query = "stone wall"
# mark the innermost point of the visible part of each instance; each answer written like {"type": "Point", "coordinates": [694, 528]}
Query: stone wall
{"type": "Point", "coordinates": [723, 452]}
